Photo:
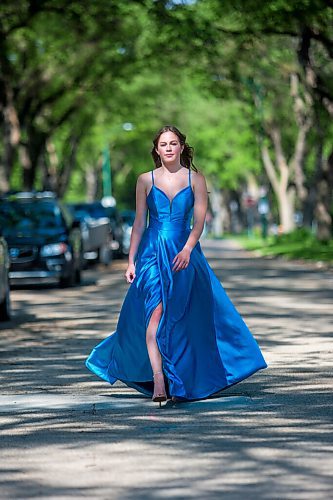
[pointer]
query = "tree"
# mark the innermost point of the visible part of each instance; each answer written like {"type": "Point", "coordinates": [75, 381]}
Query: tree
{"type": "Point", "coordinates": [53, 61]}
{"type": "Point", "coordinates": [307, 27]}
{"type": "Point", "coordinates": [230, 35]}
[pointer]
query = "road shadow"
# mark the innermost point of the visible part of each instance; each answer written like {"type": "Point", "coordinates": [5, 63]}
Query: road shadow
{"type": "Point", "coordinates": [261, 438]}
{"type": "Point", "coordinates": [267, 437]}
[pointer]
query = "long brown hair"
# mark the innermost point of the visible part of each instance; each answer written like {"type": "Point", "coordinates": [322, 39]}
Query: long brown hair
{"type": "Point", "coordinates": [186, 157]}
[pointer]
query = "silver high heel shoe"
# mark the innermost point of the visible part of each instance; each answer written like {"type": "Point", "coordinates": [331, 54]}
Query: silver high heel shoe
{"type": "Point", "coordinates": [159, 396]}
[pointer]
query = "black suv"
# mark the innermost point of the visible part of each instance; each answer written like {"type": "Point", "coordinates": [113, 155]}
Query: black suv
{"type": "Point", "coordinates": [43, 239]}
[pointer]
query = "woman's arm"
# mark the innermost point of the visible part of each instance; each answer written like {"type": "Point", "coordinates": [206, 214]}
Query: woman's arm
{"type": "Point", "coordinates": [199, 210]}
{"type": "Point", "coordinates": [182, 259]}
{"type": "Point", "coordinates": [139, 226]}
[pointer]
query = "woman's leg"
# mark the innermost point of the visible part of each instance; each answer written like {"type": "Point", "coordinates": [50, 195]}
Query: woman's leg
{"type": "Point", "coordinates": [154, 353]}
{"type": "Point", "coordinates": [153, 350]}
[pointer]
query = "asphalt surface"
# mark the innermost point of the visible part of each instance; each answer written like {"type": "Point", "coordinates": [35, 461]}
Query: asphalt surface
{"type": "Point", "coordinates": [67, 434]}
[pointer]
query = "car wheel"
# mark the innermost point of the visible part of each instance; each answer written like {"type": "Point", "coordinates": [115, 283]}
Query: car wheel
{"type": "Point", "coordinates": [105, 254]}
{"type": "Point", "coordinates": [67, 281]}
{"type": "Point", "coordinates": [119, 252]}
{"type": "Point", "coordinates": [122, 254]}
{"type": "Point", "coordinates": [5, 310]}
{"type": "Point", "coordinates": [78, 276]}
{"type": "Point", "coordinates": [81, 265]}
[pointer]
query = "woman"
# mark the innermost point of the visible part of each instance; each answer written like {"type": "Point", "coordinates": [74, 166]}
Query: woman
{"type": "Point", "coordinates": [178, 334]}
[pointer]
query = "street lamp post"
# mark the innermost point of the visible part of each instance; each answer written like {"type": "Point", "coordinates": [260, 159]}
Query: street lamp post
{"type": "Point", "coordinates": [106, 173]}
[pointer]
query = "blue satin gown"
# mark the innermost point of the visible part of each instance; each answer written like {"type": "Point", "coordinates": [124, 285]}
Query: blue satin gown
{"type": "Point", "coordinates": [204, 343]}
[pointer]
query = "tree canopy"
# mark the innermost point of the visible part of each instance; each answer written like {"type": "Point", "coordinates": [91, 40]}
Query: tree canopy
{"type": "Point", "coordinates": [250, 84]}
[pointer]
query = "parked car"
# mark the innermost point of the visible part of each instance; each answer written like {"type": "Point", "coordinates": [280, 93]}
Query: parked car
{"type": "Point", "coordinates": [97, 210]}
{"type": "Point", "coordinates": [96, 231]}
{"type": "Point", "coordinates": [117, 228]}
{"type": "Point", "coordinates": [4, 280]}
{"type": "Point", "coordinates": [44, 240]}
{"type": "Point", "coordinates": [127, 217]}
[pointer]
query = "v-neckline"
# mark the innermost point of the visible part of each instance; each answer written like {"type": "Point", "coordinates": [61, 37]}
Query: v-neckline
{"type": "Point", "coordinates": [167, 197]}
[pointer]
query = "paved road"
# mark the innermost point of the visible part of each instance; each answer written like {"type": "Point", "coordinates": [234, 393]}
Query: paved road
{"type": "Point", "coordinates": [65, 434]}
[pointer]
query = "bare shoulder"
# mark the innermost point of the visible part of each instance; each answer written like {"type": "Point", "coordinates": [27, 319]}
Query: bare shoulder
{"type": "Point", "coordinates": [144, 180]}
{"type": "Point", "coordinates": [199, 181]}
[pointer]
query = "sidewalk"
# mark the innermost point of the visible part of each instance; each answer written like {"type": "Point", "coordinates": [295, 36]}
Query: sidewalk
{"type": "Point", "coordinates": [65, 434]}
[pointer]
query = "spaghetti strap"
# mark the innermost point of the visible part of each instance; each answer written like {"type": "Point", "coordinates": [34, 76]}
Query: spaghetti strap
{"type": "Point", "coordinates": [152, 176]}
{"type": "Point", "coordinates": [189, 176]}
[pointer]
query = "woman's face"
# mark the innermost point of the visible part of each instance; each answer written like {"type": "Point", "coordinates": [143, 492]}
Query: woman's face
{"type": "Point", "coordinates": [169, 148]}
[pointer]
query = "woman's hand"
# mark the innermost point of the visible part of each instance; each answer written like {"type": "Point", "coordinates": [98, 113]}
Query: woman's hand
{"type": "Point", "coordinates": [130, 273]}
{"type": "Point", "coordinates": [182, 259]}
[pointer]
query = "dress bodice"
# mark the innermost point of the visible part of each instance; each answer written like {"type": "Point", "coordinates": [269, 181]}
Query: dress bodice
{"type": "Point", "coordinates": [176, 212]}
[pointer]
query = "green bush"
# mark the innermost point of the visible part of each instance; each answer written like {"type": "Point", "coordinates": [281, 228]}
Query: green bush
{"type": "Point", "coordinates": [299, 244]}
{"type": "Point", "coordinates": [298, 235]}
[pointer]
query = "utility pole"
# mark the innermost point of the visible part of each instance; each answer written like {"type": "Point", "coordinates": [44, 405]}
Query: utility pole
{"type": "Point", "coordinates": [106, 173]}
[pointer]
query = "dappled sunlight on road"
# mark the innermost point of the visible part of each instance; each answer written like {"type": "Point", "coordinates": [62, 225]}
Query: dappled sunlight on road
{"type": "Point", "coordinates": [66, 433]}
{"type": "Point", "coordinates": [236, 445]}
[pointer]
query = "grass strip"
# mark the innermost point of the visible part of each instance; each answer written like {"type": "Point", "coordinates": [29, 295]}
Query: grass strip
{"type": "Point", "coordinates": [299, 244]}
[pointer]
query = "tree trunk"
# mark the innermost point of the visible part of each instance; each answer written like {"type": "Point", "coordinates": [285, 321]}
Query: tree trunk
{"type": "Point", "coordinates": [10, 136]}
{"type": "Point", "coordinates": [25, 162]}
{"type": "Point", "coordinates": [68, 163]}
{"type": "Point", "coordinates": [285, 176]}
{"type": "Point", "coordinates": [324, 200]}
{"type": "Point", "coordinates": [320, 88]}
{"type": "Point", "coordinates": [29, 163]}
{"type": "Point", "coordinates": [278, 176]}
{"type": "Point", "coordinates": [30, 154]}
{"type": "Point", "coordinates": [286, 203]}
{"type": "Point", "coordinates": [91, 183]}
{"type": "Point", "coordinates": [4, 181]}
{"type": "Point", "coordinates": [10, 121]}
{"type": "Point", "coordinates": [50, 166]}
{"type": "Point", "coordinates": [219, 211]}
{"type": "Point", "coordinates": [321, 93]}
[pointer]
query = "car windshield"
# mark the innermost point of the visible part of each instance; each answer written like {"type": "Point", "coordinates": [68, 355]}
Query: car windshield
{"type": "Point", "coordinates": [26, 217]}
